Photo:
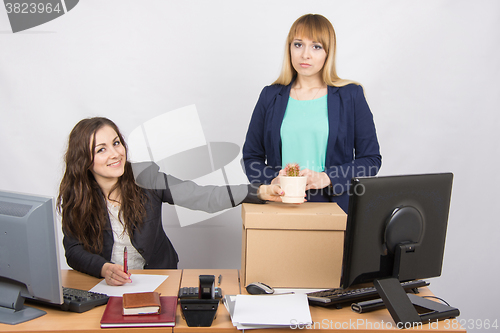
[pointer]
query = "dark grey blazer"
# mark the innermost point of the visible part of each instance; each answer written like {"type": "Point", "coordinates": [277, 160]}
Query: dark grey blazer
{"type": "Point", "coordinates": [150, 240]}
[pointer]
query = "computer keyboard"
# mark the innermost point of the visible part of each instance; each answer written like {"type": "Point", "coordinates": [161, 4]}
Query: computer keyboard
{"type": "Point", "coordinates": [76, 300]}
{"type": "Point", "coordinates": [331, 297]}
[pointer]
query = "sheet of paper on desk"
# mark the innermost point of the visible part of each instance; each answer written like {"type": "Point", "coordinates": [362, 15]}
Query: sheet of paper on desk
{"type": "Point", "coordinates": [278, 291]}
{"type": "Point", "coordinates": [140, 283]}
{"type": "Point", "coordinates": [279, 310]}
{"type": "Point", "coordinates": [229, 301]}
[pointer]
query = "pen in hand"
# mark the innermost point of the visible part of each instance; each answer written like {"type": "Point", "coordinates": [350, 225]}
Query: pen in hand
{"type": "Point", "coordinates": [125, 268]}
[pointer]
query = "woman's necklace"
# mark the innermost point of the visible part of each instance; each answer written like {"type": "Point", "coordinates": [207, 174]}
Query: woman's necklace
{"type": "Point", "coordinates": [297, 95]}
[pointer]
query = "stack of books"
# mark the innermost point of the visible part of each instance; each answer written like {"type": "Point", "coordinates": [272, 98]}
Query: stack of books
{"type": "Point", "coordinates": [140, 310]}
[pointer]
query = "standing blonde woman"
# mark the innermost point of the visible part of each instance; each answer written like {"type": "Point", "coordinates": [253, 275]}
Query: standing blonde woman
{"type": "Point", "coordinates": [312, 117]}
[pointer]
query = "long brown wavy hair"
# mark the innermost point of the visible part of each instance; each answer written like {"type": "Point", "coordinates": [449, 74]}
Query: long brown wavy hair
{"type": "Point", "coordinates": [81, 202]}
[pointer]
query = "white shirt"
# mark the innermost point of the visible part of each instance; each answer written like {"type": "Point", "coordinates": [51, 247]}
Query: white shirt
{"type": "Point", "coordinates": [121, 239]}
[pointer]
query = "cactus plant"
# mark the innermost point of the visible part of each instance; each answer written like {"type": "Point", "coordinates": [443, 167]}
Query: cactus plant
{"type": "Point", "coordinates": [292, 170]}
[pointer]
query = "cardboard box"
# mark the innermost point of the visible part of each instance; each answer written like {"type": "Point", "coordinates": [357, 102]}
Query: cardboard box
{"type": "Point", "coordinates": [293, 246]}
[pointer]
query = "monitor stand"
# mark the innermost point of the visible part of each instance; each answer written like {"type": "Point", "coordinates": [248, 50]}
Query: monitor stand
{"type": "Point", "coordinates": [403, 307]}
{"type": "Point", "coordinates": [12, 308]}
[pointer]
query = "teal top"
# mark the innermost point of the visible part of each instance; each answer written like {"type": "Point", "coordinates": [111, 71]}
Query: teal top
{"type": "Point", "coordinates": [304, 133]}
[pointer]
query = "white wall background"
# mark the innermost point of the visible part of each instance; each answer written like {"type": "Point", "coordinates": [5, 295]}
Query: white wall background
{"type": "Point", "coordinates": [429, 68]}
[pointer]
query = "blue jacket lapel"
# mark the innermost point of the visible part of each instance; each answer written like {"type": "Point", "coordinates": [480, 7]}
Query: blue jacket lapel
{"type": "Point", "coordinates": [333, 101]}
{"type": "Point", "coordinates": [280, 108]}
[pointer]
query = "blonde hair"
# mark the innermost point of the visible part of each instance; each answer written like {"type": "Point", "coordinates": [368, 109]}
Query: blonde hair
{"type": "Point", "coordinates": [317, 28]}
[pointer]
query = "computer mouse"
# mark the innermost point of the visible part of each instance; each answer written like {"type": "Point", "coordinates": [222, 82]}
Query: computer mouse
{"type": "Point", "coordinates": [259, 288]}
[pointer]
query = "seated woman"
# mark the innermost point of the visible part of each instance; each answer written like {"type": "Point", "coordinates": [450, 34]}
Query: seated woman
{"type": "Point", "coordinates": [105, 207]}
{"type": "Point", "coordinates": [312, 117]}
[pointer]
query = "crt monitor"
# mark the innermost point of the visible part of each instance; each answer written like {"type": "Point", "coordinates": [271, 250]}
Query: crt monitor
{"type": "Point", "coordinates": [396, 230]}
{"type": "Point", "coordinates": [29, 259]}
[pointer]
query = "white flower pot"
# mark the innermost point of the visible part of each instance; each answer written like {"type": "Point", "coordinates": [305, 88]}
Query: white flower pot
{"type": "Point", "coordinates": [294, 187]}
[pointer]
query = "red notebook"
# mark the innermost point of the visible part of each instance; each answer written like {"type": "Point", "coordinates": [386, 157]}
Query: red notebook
{"type": "Point", "coordinates": [113, 317]}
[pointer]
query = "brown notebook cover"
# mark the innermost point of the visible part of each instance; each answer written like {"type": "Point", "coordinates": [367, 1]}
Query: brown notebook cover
{"type": "Point", "coordinates": [141, 303]}
{"type": "Point", "coordinates": [112, 316]}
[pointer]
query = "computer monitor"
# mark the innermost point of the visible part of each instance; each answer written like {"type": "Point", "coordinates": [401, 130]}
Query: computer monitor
{"type": "Point", "coordinates": [396, 231]}
{"type": "Point", "coordinates": [29, 259]}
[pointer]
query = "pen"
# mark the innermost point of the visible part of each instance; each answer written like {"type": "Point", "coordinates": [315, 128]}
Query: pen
{"type": "Point", "coordinates": [220, 279]}
{"type": "Point", "coordinates": [125, 269]}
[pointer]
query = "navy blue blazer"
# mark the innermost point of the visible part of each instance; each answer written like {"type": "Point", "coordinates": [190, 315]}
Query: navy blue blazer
{"type": "Point", "coordinates": [352, 148]}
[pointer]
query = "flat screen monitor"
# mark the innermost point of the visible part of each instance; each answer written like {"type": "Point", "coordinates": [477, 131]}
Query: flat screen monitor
{"type": "Point", "coordinates": [29, 259]}
{"type": "Point", "coordinates": [396, 229]}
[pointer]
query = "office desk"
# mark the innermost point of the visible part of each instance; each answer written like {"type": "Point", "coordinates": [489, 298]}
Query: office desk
{"type": "Point", "coordinates": [64, 321]}
{"type": "Point", "coordinates": [325, 319]}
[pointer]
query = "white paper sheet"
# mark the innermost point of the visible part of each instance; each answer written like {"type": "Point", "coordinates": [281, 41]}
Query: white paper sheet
{"type": "Point", "coordinates": [278, 291]}
{"type": "Point", "coordinates": [140, 283]}
{"type": "Point", "coordinates": [229, 301]}
{"type": "Point", "coordinates": [280, 310]}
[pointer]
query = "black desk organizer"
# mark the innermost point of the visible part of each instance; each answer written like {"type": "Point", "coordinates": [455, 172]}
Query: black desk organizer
{"type": "Point", "coordinates": [201, 312]}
